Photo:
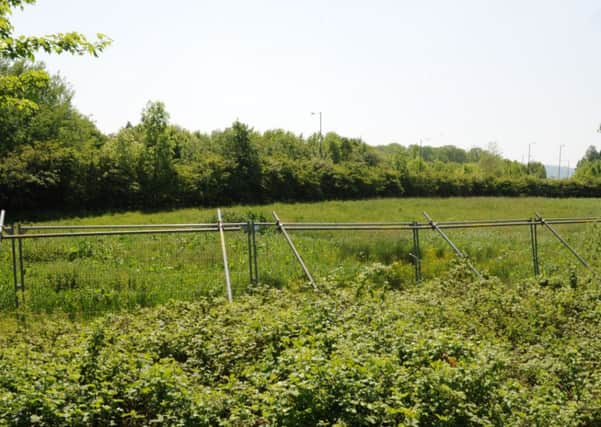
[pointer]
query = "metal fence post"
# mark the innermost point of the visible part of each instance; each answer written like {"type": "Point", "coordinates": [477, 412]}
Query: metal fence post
{"type": "Point", "coordinates": [534, 242]}
{"type": "Point", "coordinates": [252, 253]}
{"type": "Point", "coordinates": [14, 259]}
{"type": "Point", "coordinates": [253, 237]}
{"type": "Point", "coordinates": [250, 257]}
{"type": "Point", "coordinates": [416, 253]}
{"type": "Point", "coordinates": [21, 264]}
{"type": "Point", "coordinates": [226, 268]}
{"type": "Point", "coordinates": [2, 213]}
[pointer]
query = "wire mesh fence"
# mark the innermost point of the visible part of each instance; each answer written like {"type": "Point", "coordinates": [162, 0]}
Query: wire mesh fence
{"type": "Point", "coordinates": [91, 269]}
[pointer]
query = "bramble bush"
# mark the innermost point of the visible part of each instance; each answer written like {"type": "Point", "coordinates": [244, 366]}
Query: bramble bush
{"type": "Point", "coordinates": [451, 351]}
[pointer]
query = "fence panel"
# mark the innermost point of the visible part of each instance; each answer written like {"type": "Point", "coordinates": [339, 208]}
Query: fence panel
{"type": "Point", "coordinates": [92, 274]}
{"type": "Point", "coordinates": [96, 273]}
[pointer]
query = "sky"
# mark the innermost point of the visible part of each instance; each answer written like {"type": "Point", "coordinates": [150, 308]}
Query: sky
{"type": "Point", "coordinates": [462, 72]}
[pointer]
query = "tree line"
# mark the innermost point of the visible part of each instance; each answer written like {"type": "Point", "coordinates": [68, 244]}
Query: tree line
{"type": "Point", "coordinates": [53, 157]}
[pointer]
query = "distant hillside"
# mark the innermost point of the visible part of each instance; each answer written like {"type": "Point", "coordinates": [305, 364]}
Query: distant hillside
{"type": "Point", "coordinates": [565, 172]}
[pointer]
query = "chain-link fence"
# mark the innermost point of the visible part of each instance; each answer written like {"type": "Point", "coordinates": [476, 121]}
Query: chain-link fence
{"type": "Point", "coordinates": [91, 269]}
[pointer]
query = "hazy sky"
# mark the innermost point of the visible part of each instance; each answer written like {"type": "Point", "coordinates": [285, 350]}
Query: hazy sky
{"type": "Point", "coordinates": [450, 72]}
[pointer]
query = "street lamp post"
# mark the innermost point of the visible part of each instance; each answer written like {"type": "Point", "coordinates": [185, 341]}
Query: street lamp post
{"type": "Point", "coordinates": [320, 131]}
{"type": "Point", "coordinates": [559, 166]}
{"type": "Point", "coordinates": [529, 151]}
{"type": "Point", "coordinates": [421, 159]}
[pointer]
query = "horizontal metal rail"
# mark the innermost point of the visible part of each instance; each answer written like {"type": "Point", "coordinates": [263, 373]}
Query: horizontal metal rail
{"type": "Point", "coordinates": [125, 226]}
{"type": "Point", "coordinates": [425, 226]}
{"type": "Point", "coordinates": [349, 227]}
{"type": "Point", "coordinates": [134, 229]}
{"type": "Point", "coordinates": [573, 221]}
{"type": "Point", "coordinates": [594, 218]}
{"type": "Point", "coordinates": [402, 227]}
{"type": "Point", "coordinates": [482, 221]}
{"type": "Point", "coordinates": [118, 233]}
{"type": "Point", "coordinates": [290, 224]}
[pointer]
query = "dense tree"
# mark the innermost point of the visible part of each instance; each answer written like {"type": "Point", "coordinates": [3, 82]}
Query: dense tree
{"type": "Point", "coordinates": [281, 143]}
{"type": "Point", "coordinates": [44, 112]}
{"type": "Point", "coordinates": [158, 173]}
{"type": "Point", "coordinates": [592, 154]}
{"type": "Point", "coordinates": [239, 149]}
{"type": "Point", "coordinates": [589, 167]}
{"type": "Point", "coordinates": [537, 170]}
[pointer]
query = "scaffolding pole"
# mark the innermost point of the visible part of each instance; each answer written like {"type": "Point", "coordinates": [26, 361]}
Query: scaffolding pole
{"type": "Point", "coordinates": [534, 242]}
{"type": "Point", "coordinates": [417, 254]}
{"type": "Point", "coordinates": [282, 228]}
{"type": "Point", "coordinates": [252, 253]}
{"type": "Point", "coordinates": [460, 254]}
{"type": "Point", "coordinates": [2, 215]}
{"type": "Point", "coordinates": [226, 268]}
{"type": "Point", "coordinates": [565, 243]}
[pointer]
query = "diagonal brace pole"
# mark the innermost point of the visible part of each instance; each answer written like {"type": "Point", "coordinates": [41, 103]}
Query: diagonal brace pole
{"type": "Point", "coordinates": [226, 268]}
{"type": "Point", "coordinates": [294, 250]}
{"type": "Point", "coordinates": [457, 251]}
{"type": "Point", "coordinates": [564, 242]}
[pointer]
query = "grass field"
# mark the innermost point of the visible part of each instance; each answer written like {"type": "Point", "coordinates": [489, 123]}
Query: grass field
{"type": "Point", "coordinates": [92, 275]}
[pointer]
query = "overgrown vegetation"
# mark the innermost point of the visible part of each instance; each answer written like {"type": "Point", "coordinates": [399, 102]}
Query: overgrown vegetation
{"type": "Point", "coordinates": [88, 276]}
{"type": "Point", "coordinates": [371, 347]}
{"type": "Point", "coordinates": [365, 351]}
{"type": "Point", "coordinates": [51, 155]}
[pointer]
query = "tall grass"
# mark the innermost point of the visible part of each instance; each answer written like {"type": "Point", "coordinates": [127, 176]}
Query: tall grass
{"type": "Point", "coordinates": [92, 275]}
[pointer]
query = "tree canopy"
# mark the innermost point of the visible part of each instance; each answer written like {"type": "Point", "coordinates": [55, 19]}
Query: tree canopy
{"type": "Point", "coordinates": [21, 86]}
{"type": "Point", "coordinates": [24, 47]}
{"type": "Point", "coordinates": [52, 156]}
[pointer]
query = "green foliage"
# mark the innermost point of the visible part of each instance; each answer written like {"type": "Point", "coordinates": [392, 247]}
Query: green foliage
{"type": "Point", "coordinates": [370, 348]}
{"type": "Point", "coordinates": [37, 108]}
{"type": "Point", "coordinates": [157, 164]}
{"type": "Point", "coordinates": [157, 175]}
{"type": "Point", "coordinates": [239, 150]}
{"type": "Point", "coordinates": [23, 88]}
{"type": "Point", "coordinates": [447, 352]}
{"type": "Point", "coordinates": [24, 47]}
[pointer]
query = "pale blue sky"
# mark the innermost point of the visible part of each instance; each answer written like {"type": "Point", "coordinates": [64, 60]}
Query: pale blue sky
{"type": "Point", "coordinates": [457, 72]}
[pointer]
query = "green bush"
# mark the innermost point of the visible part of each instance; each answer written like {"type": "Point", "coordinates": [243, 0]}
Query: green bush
{"type": "Point", "coordinates": [452, 351]}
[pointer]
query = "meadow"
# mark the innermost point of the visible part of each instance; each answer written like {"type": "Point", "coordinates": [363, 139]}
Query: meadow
{"type": "Point", "coordinates": [91, 275]}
